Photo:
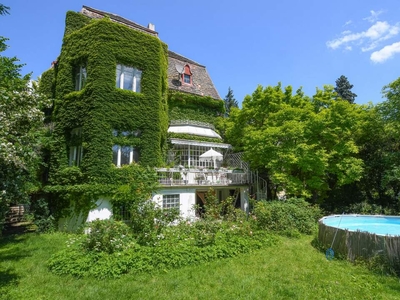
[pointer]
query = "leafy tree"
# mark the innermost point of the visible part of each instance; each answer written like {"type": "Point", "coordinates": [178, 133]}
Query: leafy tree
{"type": "Point", "coordinates": [343, 89]}
{"type": "Point", "coordinates": [21, 119]}
{"type": "Point", "coordinates": [230, 102]}
{"type": "Point", "coordinates": [306, 145]}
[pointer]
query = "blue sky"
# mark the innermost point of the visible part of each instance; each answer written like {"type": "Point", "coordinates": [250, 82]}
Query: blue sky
{"type": "Point", "coordinates": [306, 43]}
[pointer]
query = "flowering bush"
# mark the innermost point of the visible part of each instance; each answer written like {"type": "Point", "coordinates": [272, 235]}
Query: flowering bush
{"type": "Point", "coordinates": [107, 236]}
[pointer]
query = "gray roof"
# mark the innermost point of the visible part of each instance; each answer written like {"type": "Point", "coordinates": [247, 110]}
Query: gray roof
{"type": "Point", "coordinates": [201, 82]}
{"type": "Point", "coordinates": [98, 14]}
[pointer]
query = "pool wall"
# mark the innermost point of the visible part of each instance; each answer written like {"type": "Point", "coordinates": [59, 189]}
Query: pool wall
{"type": "Point", "coordinates": [355, 244]}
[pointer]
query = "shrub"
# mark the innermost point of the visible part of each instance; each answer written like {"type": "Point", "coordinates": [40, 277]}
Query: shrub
{"type": "Point", "coordinates": [107, 236]}
{"type": "Point", "coordinates": [288, 217]}
{"type": "Point", "coordinates": [176, 246]}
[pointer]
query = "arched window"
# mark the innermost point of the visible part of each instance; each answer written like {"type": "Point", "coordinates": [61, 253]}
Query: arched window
{"type": "Point", "coordinates": [187, 75]}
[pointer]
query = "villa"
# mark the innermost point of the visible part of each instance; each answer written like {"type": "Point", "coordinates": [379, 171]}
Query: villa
{"type": "Point", "coordinates": [122, 97]}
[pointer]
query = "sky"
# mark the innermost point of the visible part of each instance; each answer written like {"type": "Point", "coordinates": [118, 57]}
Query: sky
{"type": "Point", "coordinates": [243, 44]}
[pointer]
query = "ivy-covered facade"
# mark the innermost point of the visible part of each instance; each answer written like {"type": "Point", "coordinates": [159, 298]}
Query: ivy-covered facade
{"type": "Point", "coordinates": [122, 98]}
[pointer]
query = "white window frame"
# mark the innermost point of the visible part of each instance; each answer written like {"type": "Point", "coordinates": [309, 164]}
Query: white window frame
{"type": "Point", "coordinates": [119, 154]}
{"type": "Point", "coordinates": [171, 201]}
{"type": "Point", "coordinates": [137, 76]}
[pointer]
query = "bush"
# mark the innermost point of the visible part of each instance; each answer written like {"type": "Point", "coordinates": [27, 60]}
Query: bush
{"type": "Point", "coordinates": [288, 217]}
{"type": "Point", "coordinates": [107, 236]}
{"type": "Point", "coordinates": [176, 246]}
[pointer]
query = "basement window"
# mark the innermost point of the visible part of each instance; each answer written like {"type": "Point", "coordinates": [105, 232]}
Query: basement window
{"type": "Point", "coordinates": [128, 78]}
{"type": "Point", "coordinates": [125, 155]}
{"type": "Point", "coordinates": [171, 201]}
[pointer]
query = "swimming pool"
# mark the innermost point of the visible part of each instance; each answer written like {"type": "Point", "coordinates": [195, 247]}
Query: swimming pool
{"type": "Point", "coordinates": [361, 235]}
{"type": "Point", "coordinates": [382, 225]}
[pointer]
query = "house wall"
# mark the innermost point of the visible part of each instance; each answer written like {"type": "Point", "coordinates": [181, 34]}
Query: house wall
{"type": "Point", "coordinates": [187, 200]}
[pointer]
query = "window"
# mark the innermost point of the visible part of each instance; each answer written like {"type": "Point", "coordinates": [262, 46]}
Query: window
{"type": "Point", "coordinates": [128, 78]}
{"type": "Point", "coordinates": [171, 201]}
{"type": "Point", "coordinates": [124, 155]}
{"type": "Point", "coordinates": [80, 78]}
{"type": "Point", "coordinates": [187, 75]}
{"type": "Point", "coordinates": [76, 149]}
{"type": "Point", "coordinates": [75, 155]}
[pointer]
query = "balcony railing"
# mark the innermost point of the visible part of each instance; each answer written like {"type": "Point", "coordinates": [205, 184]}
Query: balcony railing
{"type": "Point", "coordinates": [201, 177]}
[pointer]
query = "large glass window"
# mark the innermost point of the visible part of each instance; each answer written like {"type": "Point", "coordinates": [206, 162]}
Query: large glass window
{"type": "Point", "coordinates": [128, 78]}
{"type": "Point", "coordinates": [171, 201]}
{"type": "Point", "coordinates": [80, 78]}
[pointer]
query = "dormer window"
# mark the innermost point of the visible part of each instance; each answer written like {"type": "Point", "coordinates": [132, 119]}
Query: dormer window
{"type": "Point", "coordinates": [187, 75]}
{"type": "Point", "coordinates": [128, 78]}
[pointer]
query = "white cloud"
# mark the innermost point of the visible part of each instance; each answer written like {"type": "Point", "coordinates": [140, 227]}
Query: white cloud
{"type": "Point", "coordinates": [348, 48]}
{"type": "Point", "coordinates": [374, 16]}
{"type": "Point", "coordinates": [385, 53]}
{"type": "Point", "coordinates": [371, 38]}
{"type": "Point", "coordinates": [348, 23]}
{"type": "Point", "coordinates": [346, 32]}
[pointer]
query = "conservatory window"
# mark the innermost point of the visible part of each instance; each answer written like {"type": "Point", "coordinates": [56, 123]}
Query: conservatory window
{"type": "Point", "coordinates": [129, 78]}
{"type": "Point", "coordinates": [171, 201]}
{"type": "Point", "coordinates": [124, 155]}
{"type": "Point", "coordinates": [80, 78]}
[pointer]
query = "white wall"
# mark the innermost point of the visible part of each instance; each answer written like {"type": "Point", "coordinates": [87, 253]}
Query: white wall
{"type": "Point", "coordinates": [102, 211]}
{"type": "Point", "coordinates": [187, 200]}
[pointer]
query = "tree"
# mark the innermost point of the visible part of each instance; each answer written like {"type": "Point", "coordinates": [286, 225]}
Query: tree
{"type": "Point", "coordinates": [4, 9]}
{"type": "Point", "coordinates": [306, 145]}
{"type": "Point", "coordinates": [343, 89]}
{"type": "Point", "coordinates": [230, 102]}
{"type": "Point", "coordinates": [21, 121]}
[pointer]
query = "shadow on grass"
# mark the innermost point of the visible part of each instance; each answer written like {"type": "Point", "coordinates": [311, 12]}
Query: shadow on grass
{"type": "Point", "coordinates": [8, 280]}
{"type": "Point", "coordinates": [10, 249]}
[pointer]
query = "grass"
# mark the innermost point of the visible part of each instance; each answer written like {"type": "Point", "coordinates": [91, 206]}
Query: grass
{"type": "Point", "coordinates": [292, 269]}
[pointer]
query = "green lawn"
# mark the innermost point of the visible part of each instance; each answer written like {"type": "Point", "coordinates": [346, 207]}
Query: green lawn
{"type": "Point", "coordinates": [292, 269]}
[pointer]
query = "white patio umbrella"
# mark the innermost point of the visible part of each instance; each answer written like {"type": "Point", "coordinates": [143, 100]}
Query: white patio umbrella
{"type": "Point", "coordinates": [211, 155]}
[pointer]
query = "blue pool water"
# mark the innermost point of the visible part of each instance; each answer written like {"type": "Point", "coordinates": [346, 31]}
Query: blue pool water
{"type": "Point", "coordinates": [382, 225]}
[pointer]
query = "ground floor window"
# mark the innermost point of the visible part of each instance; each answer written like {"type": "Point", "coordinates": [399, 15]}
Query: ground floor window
{"type": "Point", "coordinates": [171, 201]}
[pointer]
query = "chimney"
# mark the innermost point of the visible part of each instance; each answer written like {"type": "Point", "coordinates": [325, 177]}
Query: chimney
{"type": "Point", "coordinates": [151, 27]}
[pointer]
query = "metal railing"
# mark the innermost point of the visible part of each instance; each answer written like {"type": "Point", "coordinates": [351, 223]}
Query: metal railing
{"type": "Point", "coordinates": [202, 177]}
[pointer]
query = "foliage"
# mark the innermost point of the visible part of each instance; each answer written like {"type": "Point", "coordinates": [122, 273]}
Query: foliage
{"type": "Point", "coordinates": [100, 45]}
{"type": "Point", "coordinates": [215, 209]}
{"type": "Point", "coordinates": [107, 236]}
{"type": "Point", "coordinates": [343, 89]}
{"type": "Point", "coordinates": [177, 246]}
{"type": "Point", "coordinates": [21, 129]}
{"type": "Point", "coordinates": [288, 217]}
{"type": "Point", "coordinates": [230, 102]}
{"type": "Point", "coordinates": [306, 145]}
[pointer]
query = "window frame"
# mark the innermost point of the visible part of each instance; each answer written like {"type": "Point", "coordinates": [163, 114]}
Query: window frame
{"type": "Point", "coordinates": [75, 148]}
{"type": "Point", "coordinates": [171, 201]}
{"type": "Point", "coordinates": [119, 151]}
{"type": "Point", "coordinates": [122, 72]}
{"type": "Point", "coordinates": [187, 73]}
{"type": "Point", "coordinates": [80, 77]}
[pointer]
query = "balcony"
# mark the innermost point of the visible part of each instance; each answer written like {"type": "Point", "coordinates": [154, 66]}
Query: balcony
{"type": "Point", "coordinates": [201, 177]}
